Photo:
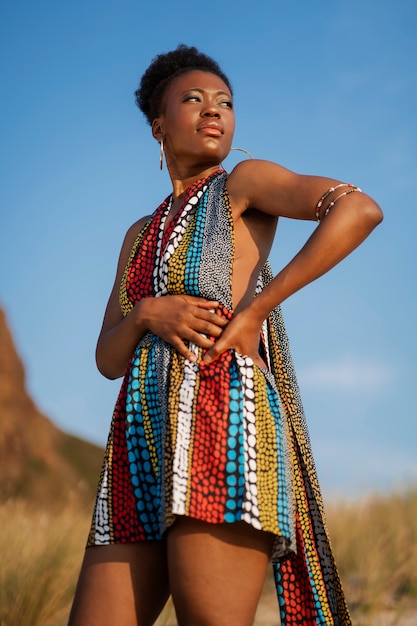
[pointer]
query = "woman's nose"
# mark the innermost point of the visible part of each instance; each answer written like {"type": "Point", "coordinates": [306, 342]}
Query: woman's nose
{"type": "Point", "coordinates": [210, 111]}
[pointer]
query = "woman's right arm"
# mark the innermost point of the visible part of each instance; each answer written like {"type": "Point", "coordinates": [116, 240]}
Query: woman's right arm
{"type": "Point", "coordinates": [177, 319]}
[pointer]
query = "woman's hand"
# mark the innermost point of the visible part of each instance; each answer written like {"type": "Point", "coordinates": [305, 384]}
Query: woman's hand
{"type": "Point", "coordinates": [242, 334]}
{"type": "Point", "coordinates": [176, 319]}
{"type": "Point", "coordinates": [181, 319]}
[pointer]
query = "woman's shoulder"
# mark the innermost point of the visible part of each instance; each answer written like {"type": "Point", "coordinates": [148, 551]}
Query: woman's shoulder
{"type": "Point", "coordinates": [136, 227]}
{"type": "Point", "coordinates": [251, 181]}
{"type": "Point", "coordinates": [257, 170]}
{"type": "Point", "coordinates": [133, 232]}
{"type": "Point", "coordinates": [254, 173]}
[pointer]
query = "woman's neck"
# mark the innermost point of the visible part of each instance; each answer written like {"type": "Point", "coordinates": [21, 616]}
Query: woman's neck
{"type": "Point", "coordinates": [182, 180]}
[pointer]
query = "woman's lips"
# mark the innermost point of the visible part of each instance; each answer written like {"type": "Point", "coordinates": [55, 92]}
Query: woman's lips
{"type": "Point", "coordinates": [213, 130]}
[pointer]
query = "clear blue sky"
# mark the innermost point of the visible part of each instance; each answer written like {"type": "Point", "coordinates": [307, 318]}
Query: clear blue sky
{"type": "Point", "coordinates": [324, 87]}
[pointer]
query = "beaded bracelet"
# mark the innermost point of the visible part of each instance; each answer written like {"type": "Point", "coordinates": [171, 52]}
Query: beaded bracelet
{"type": "Point", "coordinates": [327, 194]}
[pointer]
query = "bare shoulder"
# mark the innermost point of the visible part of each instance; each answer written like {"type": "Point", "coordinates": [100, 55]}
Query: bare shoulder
{"type": "Point", "coordinates": [259, 184]}
{"type": "Point", "coordinates": [256, 172]}
{"type": "Point", "coordinates": [131, 236]}
{"type": "Point", "coordinates": [134, 230]}
{"type": "Point", "coordinates": [276, 190]}
{"type": "Point", "coordinates": [128, 242]}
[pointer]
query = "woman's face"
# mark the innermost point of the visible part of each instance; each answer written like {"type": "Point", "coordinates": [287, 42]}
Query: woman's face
{"type": "Point", "coordinates": [198, 121]}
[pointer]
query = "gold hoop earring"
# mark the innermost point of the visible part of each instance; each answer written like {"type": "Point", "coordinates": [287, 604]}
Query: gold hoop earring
{"type": "Point", "coordinates": [161, 153]}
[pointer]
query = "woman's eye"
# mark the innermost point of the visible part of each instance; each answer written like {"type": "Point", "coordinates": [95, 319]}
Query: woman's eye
{"type": "Point", "coordinates": [192, 99]}
{"type": "Point", "coordinates": [227, 103]}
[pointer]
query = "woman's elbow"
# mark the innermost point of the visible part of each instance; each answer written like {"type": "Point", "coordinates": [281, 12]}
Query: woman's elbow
{"type": "Point", "coordinates": [368, 214]}
{"type": "Point", "coordinates": [372, 213]}
{"type": "Point", "coordinates": [106, 367]}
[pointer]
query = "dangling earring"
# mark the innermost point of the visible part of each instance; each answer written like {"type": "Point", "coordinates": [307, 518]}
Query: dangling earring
{"type": "Point", "coordinates": [161, 153]}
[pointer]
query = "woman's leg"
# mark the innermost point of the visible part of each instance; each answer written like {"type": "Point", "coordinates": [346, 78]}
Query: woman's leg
{"type": "Point", "coordinates": [123, 585]}
{"type": "Point", "coordinates": [216, 572]}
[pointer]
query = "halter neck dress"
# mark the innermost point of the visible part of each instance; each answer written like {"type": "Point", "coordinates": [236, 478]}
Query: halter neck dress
{"type": "Point", "coordinates": [219, 442]}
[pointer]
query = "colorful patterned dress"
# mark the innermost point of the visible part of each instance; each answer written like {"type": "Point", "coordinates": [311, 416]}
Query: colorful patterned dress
{"type": "Point", "coordinates": [219, 442]}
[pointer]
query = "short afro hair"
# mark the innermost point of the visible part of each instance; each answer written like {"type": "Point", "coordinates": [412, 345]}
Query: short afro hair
{"type": "Point", "coordinates": [163, 69]}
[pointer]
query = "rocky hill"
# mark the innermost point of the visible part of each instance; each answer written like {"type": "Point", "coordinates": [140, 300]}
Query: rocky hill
{"type": "Point", "coordinates": [38, 461]}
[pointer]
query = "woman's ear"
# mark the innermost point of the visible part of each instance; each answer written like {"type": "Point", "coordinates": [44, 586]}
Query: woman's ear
{"type": "Point", "coordinates": [157, 132]}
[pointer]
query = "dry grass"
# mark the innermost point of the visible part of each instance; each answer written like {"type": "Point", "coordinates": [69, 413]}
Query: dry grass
{"type": "Point", "coordinates": [41, 555]}
{"type": "Point", "coordinates": [375, 543]}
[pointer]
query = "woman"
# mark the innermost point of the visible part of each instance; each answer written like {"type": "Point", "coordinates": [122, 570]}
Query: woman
{"type": "Point", "coordinates": [208, 474]}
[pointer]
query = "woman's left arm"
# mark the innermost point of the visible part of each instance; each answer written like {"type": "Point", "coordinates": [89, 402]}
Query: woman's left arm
{"type": "Point", "coordinates": [347, 224]}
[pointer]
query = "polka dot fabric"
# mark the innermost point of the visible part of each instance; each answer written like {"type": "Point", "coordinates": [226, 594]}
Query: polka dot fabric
{"type": "Point", "coordinates": [219, 442]}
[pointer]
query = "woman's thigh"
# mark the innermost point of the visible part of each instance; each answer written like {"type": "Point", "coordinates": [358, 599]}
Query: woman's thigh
{"type": "Point", "coordinates": [216, 571]}
{"type": "Point", "coordinates": [124, 584]}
